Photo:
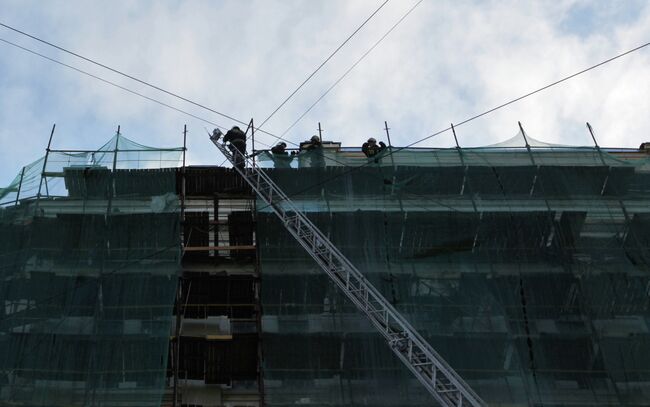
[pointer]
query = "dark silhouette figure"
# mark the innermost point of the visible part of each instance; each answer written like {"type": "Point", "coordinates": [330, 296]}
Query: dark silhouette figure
{"type": "Point", "coordinates": [313, 149]}
{"type": "Point", "coordinates": [371, 149]}
{"type": "Point", "coordinates": [280, 156]}
{"type": "Point", "coordinates": [237, 146]}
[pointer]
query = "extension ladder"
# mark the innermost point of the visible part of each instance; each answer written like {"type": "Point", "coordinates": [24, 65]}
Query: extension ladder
{"type": "Point", "coordinates": [446, 386]}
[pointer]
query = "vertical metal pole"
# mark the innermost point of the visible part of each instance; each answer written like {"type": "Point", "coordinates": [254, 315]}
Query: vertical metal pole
{"type": "Point", "coordinates": [466, 169]}
{"type": "Point", "coordinates": [609, 169]}
{"type": "Point", "coordinates": [453, 130]}
{"type": "Point", "coordinates": [112, 188]}
{"type": "Point", "coordinates": [523, 133]}
{"type": "Point", "coordinates": [179, 293]}
{"type": "Point", "coordinates": [258, 305]}
{"type": "Point", "coordinates": [47, 153]}
{"type": "Point", "coordinates": [593, 137]}
{"type": "Point", "coordinates": [392, 159]}
{"type": "Point", "coordinates": [47, 188]}
{"type": "Point", "coordinates": [183, 175]}
{"type": "Point", "coordinates": [390, 144]}
{"type": "Point", "coordinates": [591, 131]}
{"type": "Point", "coordinates": [460, 153]}
{"type": "Point", "coordinates": [530, 154]}
{"type": "Point", "coordinates": [252, 126]}
{"type": "Point", "coordinates": [320, 133]}
{"type": "Point", "coordinates": [117, 141]}
{"type": "Point", "coordinates": [106, 252]}
{"type": "Point", "coordinates": [536, 177]}
{"type": "Point", "coordinates": [184, 143]}
{"type": "Point", "coordinates": [532, 160]}
{"type": "Point", "coordinates": [177, 339]}
{"type": "Point", "coordinates": [20, 184]}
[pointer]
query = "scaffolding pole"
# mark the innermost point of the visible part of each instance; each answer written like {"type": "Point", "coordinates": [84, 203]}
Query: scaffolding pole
{"type": "Point", "coordinates": [433, 372]}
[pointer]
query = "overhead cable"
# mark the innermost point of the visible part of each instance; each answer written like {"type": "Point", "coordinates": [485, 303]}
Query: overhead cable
{"type": "Point", "coordinates": [158, 88]}
{"type": "Point", "coordinates": [566, 78]}
{"type": "Point", "coordinates": [147, 97]}
{"type": "Point", "coordinates": [349, 70]}
{"type": "Point", "coordinates": [393, 151]}
{"type": "Point", "coordinates": [323, 63]}
{"type": "Point", "coordinates": [115, 84]}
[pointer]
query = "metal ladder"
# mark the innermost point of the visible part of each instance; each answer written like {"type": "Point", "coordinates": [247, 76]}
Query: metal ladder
{"type": "Point", "coordinates": [444, 384]}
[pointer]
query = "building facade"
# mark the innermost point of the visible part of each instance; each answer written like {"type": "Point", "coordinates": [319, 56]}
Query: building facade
{"type": "Point", "coordinates": [525, 268]}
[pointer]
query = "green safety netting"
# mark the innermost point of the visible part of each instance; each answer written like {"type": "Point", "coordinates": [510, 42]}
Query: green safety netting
{"type": "Point", "coordinates": [528, 271]}
{"type": "Point", "coordinates": [118, 153]}
{"type": "Point", "coordinates": [88, 278]}
{"type": "Point", "coordinates": [511, 152]}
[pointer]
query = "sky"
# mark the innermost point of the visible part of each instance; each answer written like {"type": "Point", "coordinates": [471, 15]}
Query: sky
{"type": "Point", "coordinates": [447, 61]}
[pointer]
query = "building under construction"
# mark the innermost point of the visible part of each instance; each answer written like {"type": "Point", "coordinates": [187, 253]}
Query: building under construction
{"type": "Point", "coordinates": [131, 279]}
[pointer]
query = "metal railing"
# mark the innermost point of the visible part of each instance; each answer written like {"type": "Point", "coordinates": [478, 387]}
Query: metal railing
{"type": "Point", "coordinates": [444, 384]}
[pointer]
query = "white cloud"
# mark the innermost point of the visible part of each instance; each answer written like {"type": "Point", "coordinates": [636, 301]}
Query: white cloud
{"type": "Point", "coordinates": [445, 63]}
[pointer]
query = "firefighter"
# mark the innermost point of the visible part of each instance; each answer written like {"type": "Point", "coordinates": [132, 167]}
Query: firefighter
{"type": "Point", "coordinates": [313, 148]}
{"type": "Point", "coordinates": [312, 144]}
{"type": "Point", "coordinates": [237, 146]}
{"type": "Point", "coordinates": [280, 148]}
{"type": "Point", "coordinates": [371, 149]}
{"type": "Point", "coordinates": [280, 156]}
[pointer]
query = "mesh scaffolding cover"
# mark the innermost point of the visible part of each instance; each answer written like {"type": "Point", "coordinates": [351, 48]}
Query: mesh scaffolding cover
{"type": "Point", "coordinates": [88, 277]}
{"type": "Point", "coordinates": [527, 271]}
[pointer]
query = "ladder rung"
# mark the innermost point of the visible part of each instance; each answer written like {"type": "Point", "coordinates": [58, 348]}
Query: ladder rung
{"type": "Point", "coordinates": [401, 337]}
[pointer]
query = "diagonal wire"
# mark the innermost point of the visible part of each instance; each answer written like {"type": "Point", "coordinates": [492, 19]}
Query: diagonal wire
{"type": "Point", "coordinates": [531, 93]}
{"type": "Point", "coordinates": [566, 78]}
{"type": "Point", "coordinates": [158, 88]}
{"type": "Point", "coordinates": [109, 82]}
{"type": "Point", "coordinates": [114, 84]}
{"type": "Point", "coordinates": [348, 71]}
{"type": "Point", "coordinates": [323, 63]}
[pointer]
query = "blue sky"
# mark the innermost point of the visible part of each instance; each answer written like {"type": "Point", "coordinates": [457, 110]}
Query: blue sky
{"type": "Point", "coordinates": [447, 61]}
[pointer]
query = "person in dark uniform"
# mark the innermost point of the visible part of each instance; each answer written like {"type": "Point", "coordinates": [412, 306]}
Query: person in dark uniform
{"type": "Point", "coordinates": [312, 144]}
{"type": "Point", "coordinates": [280, 148]}
{"type": "Point", "coordinates": [313, 149]}
{"type": "Point", "coordinates": [280, 156]}
{"type": "Point", "coordinates": [237, 146]}
{"type": "Point", "coordinates": [371, 149]}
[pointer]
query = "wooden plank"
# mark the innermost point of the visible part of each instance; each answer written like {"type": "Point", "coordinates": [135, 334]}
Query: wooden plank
{"type": "Point", "coordinates": [206, 248]}
{"type": "Point", "coordinates": [218, 337]}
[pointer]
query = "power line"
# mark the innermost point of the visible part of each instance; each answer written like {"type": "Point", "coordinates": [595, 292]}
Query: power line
{"type": "Point", "coordinates": [115, 84]}
{"type": "Point", "coordinates": [323, 63]}
{"type": "Point", "coordinates": [566, 78]}
{"type": "Point", "coordinates": [350, 69]}
{"type": "Point", "coordinates": [158, 88]}
{"type": "Point", "coordinates": [391, 152]}
{"type": "Point", "coordinates": [263, 131]}
{"type": "Point", "coordinates": [135, 93]}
